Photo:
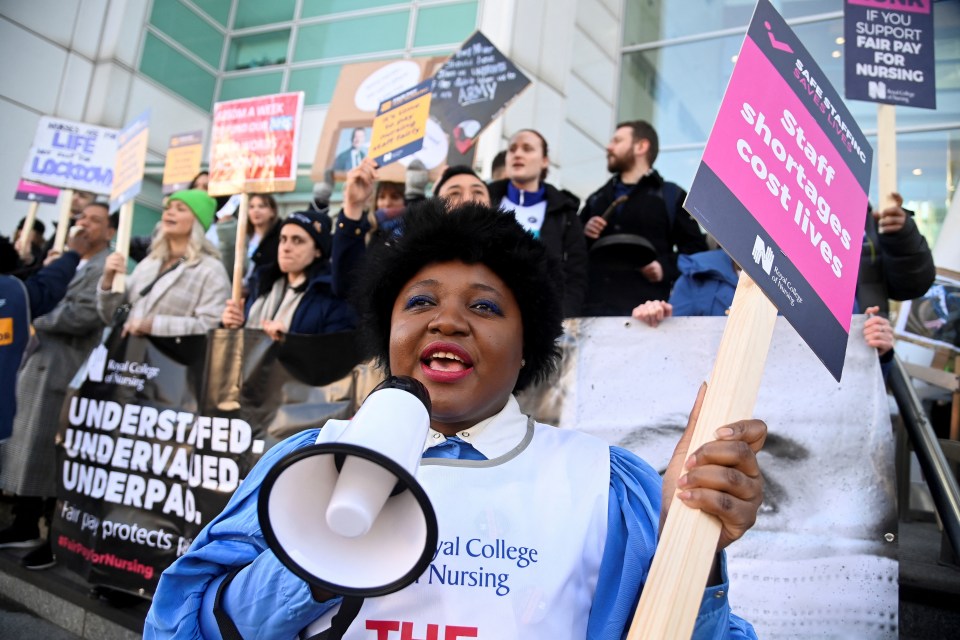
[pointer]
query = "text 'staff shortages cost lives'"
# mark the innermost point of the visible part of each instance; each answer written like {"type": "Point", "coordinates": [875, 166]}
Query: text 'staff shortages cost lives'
{"type": "Point", "coordinates": [783, 184]}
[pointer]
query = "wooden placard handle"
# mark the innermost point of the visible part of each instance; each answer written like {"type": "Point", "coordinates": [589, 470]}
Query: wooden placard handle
{"type": "Point", "coordinates": [886, 155]}
{"type": "Point", "coordinates": [23, 243]}
{"type": "Point", "coordinates": [124, 227]}
{"type": "Point", "coordinates": [240, 249]}
{"type": "Point", "coordinates": [63, 224]}
{"type": "Point", "coordinates": [688, 543]}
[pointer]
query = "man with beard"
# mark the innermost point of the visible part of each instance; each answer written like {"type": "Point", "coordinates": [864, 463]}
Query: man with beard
{"type": "Point", "coordinates": [635, 226]}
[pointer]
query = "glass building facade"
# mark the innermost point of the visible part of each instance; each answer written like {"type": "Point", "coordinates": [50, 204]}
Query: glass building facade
{"type": "Point", "coordinates": [208, 51]}
{"type": "Point", "coordinates": [591, 62]}
{"type": "Point", "coordinates": [677, 58]}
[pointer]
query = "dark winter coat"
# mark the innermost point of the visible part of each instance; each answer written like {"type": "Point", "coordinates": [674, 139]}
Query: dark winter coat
{"type": "Point", "coordinates": [615, 292]}
{"type": "Point", "coordinates": [562, 234]}
{"type": "Point", "coordinates": [319, 310]}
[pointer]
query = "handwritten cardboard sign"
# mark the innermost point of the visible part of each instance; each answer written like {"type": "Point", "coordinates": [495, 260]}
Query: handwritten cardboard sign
{"type": "Point", "coordinates": [401, 124]}
{"type": "Point", "coordinates": [471, 89]}
{"type": "Point", "coordinates": [888, 52]}
{"type": "Point", "coordinates": [72, 155]}
{"type": "Point", "coordinates": [783, 184]}
{"type": "Point", "coordinates": [183, 161]}
{"type": "Point", "coordinates": [130, 161]}
{"type": "Point", "coordinates": [254, 144]}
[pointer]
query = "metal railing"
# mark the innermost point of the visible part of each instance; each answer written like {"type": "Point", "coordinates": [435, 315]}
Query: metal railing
{"type": "Point", "coordinates": [937, 472]}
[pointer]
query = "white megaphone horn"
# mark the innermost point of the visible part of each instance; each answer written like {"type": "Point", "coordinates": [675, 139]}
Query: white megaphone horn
{"type": "Point", "coordinates": [348, 515]}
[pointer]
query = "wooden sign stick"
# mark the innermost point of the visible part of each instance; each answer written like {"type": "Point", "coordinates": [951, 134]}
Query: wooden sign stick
{"type": "Point", "coordinates": [886, 154]}
{"type": "Point", "coordinates": [63, 224]}
{"type": "Point", "coordinates": [27, 230]}
{"type": "Point", "coordinates": [240, 248]}
{"type": "Point", "coordinates": [688, 543]}
{"type": "Point", "coordinates": [124, 228]}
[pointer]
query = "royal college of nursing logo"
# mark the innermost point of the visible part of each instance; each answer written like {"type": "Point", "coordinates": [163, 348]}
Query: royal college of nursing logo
{"type": "Point", "coordinates": [877, 89]}
{"type": "Point", "coordinates": [763, 254]}
{"type": "Point", "coordinates": [96, 364]}
{"type": "Point", "coordinates": [124, 373]}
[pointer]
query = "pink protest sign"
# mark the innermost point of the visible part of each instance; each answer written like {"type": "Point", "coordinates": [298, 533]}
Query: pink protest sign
{"type": "Point", "coordinates": [783, 184]}
{"type": "Point", "coordinates": [36, 192]}
{"type": "Point", "coordinates": [253, 144]}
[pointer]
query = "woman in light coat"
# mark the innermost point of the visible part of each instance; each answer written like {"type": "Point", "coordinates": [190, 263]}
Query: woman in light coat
{"type": "Point", "coordinates": [179, 288]}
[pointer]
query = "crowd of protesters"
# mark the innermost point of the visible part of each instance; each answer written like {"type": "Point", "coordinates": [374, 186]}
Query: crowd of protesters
{"type": "Point", "coordinates": [630, 248]}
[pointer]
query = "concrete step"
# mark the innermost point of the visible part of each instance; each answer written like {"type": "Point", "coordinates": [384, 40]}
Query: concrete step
{"type": "Point", "coordinates": [64, 599]}
{"type": "Point", "coordinates": [929, 589]}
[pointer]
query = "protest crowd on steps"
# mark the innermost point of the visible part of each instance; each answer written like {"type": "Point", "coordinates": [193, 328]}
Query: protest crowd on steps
{"type": "Point", "coordinates": [450, 319]}
{"type": "Point", "coordinates": [627, 249]}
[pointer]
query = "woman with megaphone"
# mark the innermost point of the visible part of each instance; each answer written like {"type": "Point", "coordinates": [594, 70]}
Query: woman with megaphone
{"type": "Point", "coordinates": [541, 532]}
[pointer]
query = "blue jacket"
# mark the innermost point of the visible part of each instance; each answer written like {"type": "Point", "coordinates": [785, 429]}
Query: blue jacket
{"type": "Point", "coordinates": [19, 302]}
{"type": "Point", "coordinates": [319, 310]}
{"type": "Point", "coordinates": [706, 284]}
{"type": "Point", "coordinates": [264, 599]}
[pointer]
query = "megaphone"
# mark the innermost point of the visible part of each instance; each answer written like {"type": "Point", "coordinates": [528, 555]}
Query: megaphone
{"type": "Point", "coordinates": [348, 515]}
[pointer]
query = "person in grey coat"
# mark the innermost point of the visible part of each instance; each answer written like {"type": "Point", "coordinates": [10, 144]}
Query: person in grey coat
{"type": "Point", "coordinates": [65, 337]}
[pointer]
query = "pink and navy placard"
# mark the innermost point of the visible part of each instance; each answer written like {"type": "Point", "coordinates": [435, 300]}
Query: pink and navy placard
{"type": "Point", "coordinates": [36, 192]}
{"type": "Point", "coordinates": [888, 52]}
{"type": "Point", "coordinates": [783, 184]}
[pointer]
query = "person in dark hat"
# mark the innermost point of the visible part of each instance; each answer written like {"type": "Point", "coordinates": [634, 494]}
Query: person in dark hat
{"type": "Point", "coordinates": [293, 294]}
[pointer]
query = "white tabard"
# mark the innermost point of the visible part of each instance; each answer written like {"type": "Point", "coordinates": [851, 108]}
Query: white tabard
{"type": "Point", "coordinates": [521, 537]}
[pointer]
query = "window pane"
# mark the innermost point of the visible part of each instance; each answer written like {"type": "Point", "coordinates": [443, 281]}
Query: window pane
{"type": "Point", "coordinates": [679, 165]}
{"type": "Point", "coordinates": [219, 10]}
{"type": "Point", "coordinates": [445, 24]}
{"type": "Point", "coordinates": [250, 86]}
{"type": "Point", "coordinates": [254, 13]}
{"type": "Point", "coordinates": [679, 87]}
{"type": "Point", "coordinates": [654, 20]}
{"type": "Point", "coordinates": [260, 50]}
{"type": "Point", "coordinates": [355, 36]}
{"type": "Point", "coordinates": [189, 29]}
{"type": "Point", "coordinates": [144, 220]}
{"type": "Point", "coordinates": [925, 164]}
{"type": "Point", "coordinates": [313, 8]}
{"type": "Point", "coordinates": [317, 84]}
{"type": "Point", "coordinates": [176, 72]}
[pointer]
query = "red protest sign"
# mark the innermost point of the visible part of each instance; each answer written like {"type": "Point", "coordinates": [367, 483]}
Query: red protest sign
{"type": "Point", "coordinates": [254, 144]}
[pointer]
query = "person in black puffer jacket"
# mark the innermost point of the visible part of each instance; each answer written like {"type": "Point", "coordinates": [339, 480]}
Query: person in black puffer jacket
{"type": "Point", "coordinates": [546, 212]}
{"type": "Point", "coordinates": [294, 294]}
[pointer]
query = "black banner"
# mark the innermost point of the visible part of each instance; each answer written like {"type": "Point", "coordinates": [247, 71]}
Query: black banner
{"type": "Point", "coordinates": [157, 433]}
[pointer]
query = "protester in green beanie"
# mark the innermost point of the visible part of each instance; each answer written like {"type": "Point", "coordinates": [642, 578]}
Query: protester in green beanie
{"type": "Point", "coordinates": [202, 205]}
{"type": "Point", "coordinates": [179, 288]}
